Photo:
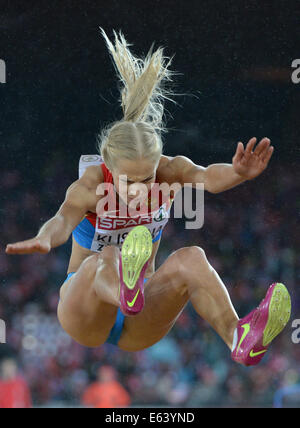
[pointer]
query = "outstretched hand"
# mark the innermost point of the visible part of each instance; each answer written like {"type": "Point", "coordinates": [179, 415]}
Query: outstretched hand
{"type": "Point", "coordinates": [249, 163]}
{"type": "Point", "coordinates": [30, 246]}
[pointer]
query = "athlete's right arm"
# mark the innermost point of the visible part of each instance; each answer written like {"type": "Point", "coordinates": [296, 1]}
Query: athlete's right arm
{"type": "Point", "coordinates": [80, 198]}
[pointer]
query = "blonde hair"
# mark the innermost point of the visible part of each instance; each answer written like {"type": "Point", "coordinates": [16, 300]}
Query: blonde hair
{"type": "Point", "coordinates": [143, 91]}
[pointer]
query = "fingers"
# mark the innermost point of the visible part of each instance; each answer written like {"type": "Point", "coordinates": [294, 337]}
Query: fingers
{"type": "Point", "coordinates": [239, 151]}
{"type": "Point", "coordinates": [248, 152]}
{"type": "Point", "coordinates": [263, 147]}
{"type": "Point", "coordinates": [268, 154]}
{"type": "Point", "coordinates": [18, 248]}
{"type": "Point", "coordinates": [250, 146]}
{"type": "Point", "coordinates": [263, 150]}
{"type": "Point", "coordinates": [26, 247]}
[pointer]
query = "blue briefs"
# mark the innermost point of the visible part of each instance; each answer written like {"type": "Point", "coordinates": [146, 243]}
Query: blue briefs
{"type": "Point", "coordinates": [117, 329]}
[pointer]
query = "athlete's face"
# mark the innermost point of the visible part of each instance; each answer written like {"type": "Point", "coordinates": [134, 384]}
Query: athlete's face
{"type": "Point", "coordinates": [140, 171]}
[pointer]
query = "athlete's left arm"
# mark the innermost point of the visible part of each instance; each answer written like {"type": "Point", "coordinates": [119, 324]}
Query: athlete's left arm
{"type": "Point", "coordinates": [247, 163]}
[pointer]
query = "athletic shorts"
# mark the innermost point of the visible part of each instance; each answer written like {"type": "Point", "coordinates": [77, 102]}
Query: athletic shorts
{"type": "Point", "coordinates": [117, 329]}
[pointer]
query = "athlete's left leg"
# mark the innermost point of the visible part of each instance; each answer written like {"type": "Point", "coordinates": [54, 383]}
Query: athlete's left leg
{"type": "Point", "coordinates": [185, 275]}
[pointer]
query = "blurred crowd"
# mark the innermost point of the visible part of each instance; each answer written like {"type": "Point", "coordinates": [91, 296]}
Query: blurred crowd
{"type": "Point", "coordinates": [251, 237]}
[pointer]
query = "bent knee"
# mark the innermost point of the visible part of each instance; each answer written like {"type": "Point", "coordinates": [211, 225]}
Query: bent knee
{"type": "Point", "coordinates": [186, 259]}
{"type": "Point", "coordinates": [81, 334]}
{"type": "Point", "coordinates": [189, 255]}
{"type": "Point", "coordinates": [89, 266]}
{"type": "Point", "coordinates": [109, 252]}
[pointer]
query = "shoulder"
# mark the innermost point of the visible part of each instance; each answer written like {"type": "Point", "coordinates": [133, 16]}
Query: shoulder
{"type": "Point", "coordinates": [92, 177]}
{"type": "Point", "coordinates": [82, 192]}
{"type": "Point", "coordinates": [172, 169]}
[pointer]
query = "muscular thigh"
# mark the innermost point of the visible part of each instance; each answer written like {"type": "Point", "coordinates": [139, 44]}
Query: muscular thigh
{"type": "Point", "coordinates": [165, 297]}
{"type": "Point", "coordinates": [85, 317]}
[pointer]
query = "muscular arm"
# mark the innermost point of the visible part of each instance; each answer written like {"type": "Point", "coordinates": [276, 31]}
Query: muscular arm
{"type": "Point", "coordinates": [215, 178]}
{"type": "Point", "coordinates": [246, 165]}
{"type": "Point", "coordinates": [59, 228]}
{"type": "Point", "coordinates": [80, 198]}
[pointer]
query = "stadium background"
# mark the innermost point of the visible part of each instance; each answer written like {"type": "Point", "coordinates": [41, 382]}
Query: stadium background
{"type": "Point", "coordinates": [235, 64]}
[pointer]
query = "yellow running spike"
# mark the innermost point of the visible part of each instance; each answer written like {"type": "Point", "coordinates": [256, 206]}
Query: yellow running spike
{"type": "Point", "coordinates": [136, 250]}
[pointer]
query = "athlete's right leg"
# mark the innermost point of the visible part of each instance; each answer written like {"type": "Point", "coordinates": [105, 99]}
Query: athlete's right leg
{"type": "Point", "coordinates": [89, 299]}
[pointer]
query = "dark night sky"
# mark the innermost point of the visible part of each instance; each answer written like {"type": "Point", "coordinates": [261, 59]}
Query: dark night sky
{"type": "Point", "coordinates": [61, 86]}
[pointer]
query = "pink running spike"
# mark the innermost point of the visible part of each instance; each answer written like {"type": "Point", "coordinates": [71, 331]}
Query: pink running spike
{"type": "Point", "coordinates": [132, 301]}
{"type": "Point", "coordinates": [257, 330]}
